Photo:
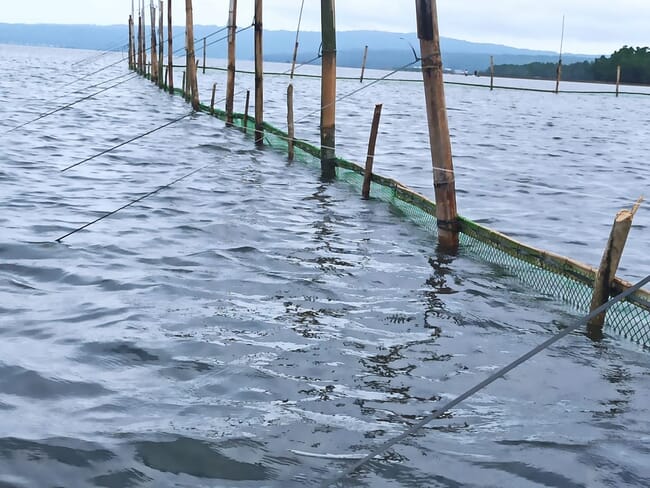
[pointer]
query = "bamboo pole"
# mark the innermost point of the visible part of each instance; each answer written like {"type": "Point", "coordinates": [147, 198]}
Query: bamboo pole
{"type": "Point", "coordinates": [443, 168]}
{"type": "Point", "coordinates": [170, 47]}
{"type": "Point", "coordinates": [232, 59]}
{"type": "Point", "coordinates": [559, 77]}
{"type": "Point", "coordinates": [609, 265]}
{"type": "Point", "coordinates": [363, 64]}
{"type": "Point", "coordinates": [365, 191]}
{"type": "Point", "coordinates": [140, 60]}
{"type": "Point", "coordinates": [297, 44]}
{"type": "Point", "coordinates": [130, 42]}
{"type": "Point", "coordinates": [192, 84]}
{"type": "Point", "coordinates": [491, 73]}
{"type": "Point", "coordinates": [328, 90]}
{"type": "Point", "coordinates": [144, 39]}
{"type": "Point", "coordinates": [246, 108]}
{"type": "Point", "coordinates": [154, 46]}
{"type": "Point", "coordinates": [618, 79]}
{"type": "Point", "coordinates": [184, 85]}
{"type": "Point", "coordinates": [214, 93]}
{"type": "Point", "coordinates": [205, 52]}
{"type": "Point", "coordinates": [259, 73]}
{"type": "Point", "coordinates": [161, 44]}
{"type": "Point", "coordinates": [290, 123]}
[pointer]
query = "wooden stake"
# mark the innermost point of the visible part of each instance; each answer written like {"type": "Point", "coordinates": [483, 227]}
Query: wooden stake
{"type": "Point", "coordinates": [214, 92]}
{"type": "Point", "coordinates": [328, 91]}
{"type": "Point", "coordinates": [491, 73]}
{"type": "Point", "coordinates": [130, 42]}
{"type": "Point", "coordinates": [246, 107]}
{"type": "Point", "coordinates": [192, 82]}
{"type": "Point", "coordinates": [161, 45]}
{"type": "Point", "coordinates": [559, 77]}
{"type": "Point", "coordinates": [170, 48]}
{"type": "Point", "coordinates": [618, 79]}
{"type": "Point", "coordinates": [140, 60]}
{"type": "Point", "coordinates": [290, 124]}
{"type": "Point", "coordinates": [443, 168]}
{"type": "Point", "coordinates": [365, 191]}
{"type": "Point", "coordinates": [609, 265]}
{"type": "Point", "coordinates": [184, 86]}
{"type": "Point", "coordinates": [154, 48]}
{"type": "Point", "coordinates": [166, 73]}
{"type": "Point", "coordinates": [232, 54]}
{"type": "Point", "coordinates": [205, 52]}
{"type": "Point", "coordinates": [259, 74]}
{"type": "Point", "coordinates": [144, 39]}
{"type": "Point", "coordinates": [363, 64]}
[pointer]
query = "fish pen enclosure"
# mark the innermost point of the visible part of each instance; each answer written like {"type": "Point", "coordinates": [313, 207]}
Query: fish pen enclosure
{"type": "Point", "coordinates": [202, 284]}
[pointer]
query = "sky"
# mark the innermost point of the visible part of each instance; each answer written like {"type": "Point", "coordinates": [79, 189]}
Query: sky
{"type": "Point", "coordinates": [592, 26]}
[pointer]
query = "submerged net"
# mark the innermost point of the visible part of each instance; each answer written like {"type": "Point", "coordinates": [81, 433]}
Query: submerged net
{"type": "Point", "coordinates": [550, 274]}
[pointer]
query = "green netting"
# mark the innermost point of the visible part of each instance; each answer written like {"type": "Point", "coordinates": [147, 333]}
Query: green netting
{"type": "Point", "coordinates": [551, 275]}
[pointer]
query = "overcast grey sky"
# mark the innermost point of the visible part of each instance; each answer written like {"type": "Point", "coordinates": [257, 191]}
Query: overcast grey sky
{"type": "Point", "coordinates": [592, 26]}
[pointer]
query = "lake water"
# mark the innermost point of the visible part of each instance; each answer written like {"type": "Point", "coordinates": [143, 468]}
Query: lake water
{"type": "Point", "coordinates": [248, 325]}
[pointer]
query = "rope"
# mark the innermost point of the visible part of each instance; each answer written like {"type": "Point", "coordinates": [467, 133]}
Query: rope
{"type": "Point", "coordinates": [226, 37]}
{"type": "Point", "coordinates": [41, 117]}
{"type": "Point", "coordinates": [502, 372]}
{"type": "Point", "coordinates": [95, 72]}
{"type": "Point", "coordinates": [94, 57]}
{"type": "Point", "coordinates": [172, 122]}
{"type": "Point", "coordinates": [133, 202]}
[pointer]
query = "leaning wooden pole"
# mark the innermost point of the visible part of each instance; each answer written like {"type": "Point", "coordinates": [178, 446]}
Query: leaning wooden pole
{"type": "Point", "coordinates": [192, 83]}
{"type": "Point", "coordinates": [618, 79]}
{"type": "Point", "coordinates": [154, 45]}
{"type": "Point", "coordinates": [328, 90]}
{"type": "Point", "coordinates": [297, 44]}
{"type": "Point", "coordinates": [609, 265]}
{"type": "Point", "coordinates": [170, 47]}
{"type": "Point", "coordinates": [370, 161]}
{"type": "Point", "coordinates": [363, 64]}
{"type": "Point", "coordinates": [205, 52]}
{"type": "Point", "coordinates": [558, 77]}
{"type": "Point", "coordinates": [232, 59]}
{"type": "Point", "coordinates": [291, 131]}
{"type": "Point", "coordinates": [443, 168]}
{"type": "Point", "coordinates": [161, 44]}
{"type": "Point", "coordinates": [259, 73]}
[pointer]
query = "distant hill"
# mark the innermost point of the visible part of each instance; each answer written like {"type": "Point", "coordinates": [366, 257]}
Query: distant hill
{"type": "Point", "coordinates": [386, 50]}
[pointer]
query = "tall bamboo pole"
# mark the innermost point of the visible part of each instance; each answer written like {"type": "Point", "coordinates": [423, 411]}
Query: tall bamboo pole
{"type": "Point", "coordinates": [140, 59]}
{"type": "Point", "coordinates": [144, 39]}
{"type": "Point", "coordinates": [290, 123]}
{"type": "Point", "coordinates": [297, 45]}
{"type": "Point", "coordinates": [259, 73]}
{"type": "Point", "coordinates": [618, 79]}
{"type": "Point", "coordinates": [443, 168]}
{"type": "Point", "coordinates": [205, 52]}
{"type": "Point", "coordinates": [131, 42]}
{"type": "Point", "coordinates": [491, 73]}
{"type": "Point", "coordinates": [161, 44]}
{"type": "Point", "coordinates": [170, 47]}
{"type": "Point", "coordinates": [328, 90]}
{"type": "Point", "coordinates": [232, 39]}
{"type": "Point", "coordinates": [363, 64]}
{"type": "Point", "coordinates": [192, 83]}
{"type": "Point", "coordinates": [559, 76]}
{"type": "Point", "coordinates": [154, 47]}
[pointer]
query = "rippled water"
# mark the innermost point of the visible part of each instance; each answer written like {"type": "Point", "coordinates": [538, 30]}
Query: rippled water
{"type": "Point", "coordinates": [241, 326]}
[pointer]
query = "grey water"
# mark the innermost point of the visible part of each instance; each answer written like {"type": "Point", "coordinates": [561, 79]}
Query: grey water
{"type": "Point", "coordinates": [253, 326]}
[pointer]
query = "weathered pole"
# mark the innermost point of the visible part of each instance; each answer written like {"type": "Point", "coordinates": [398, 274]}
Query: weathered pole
{"type": "Point", "coordinates": [246, 107]}
{"type": "Point", "coordinates": [295, 48]}
{"type": "Point", "coordinates": [214, 94]}
{"type": "Point", "coordinates": [372, 144]}
{"type": "Point", "coordinates": [559, 76]}
{"type": "Point", "coordinates": [290, 123]}
{"type": "Point", "coordinates": [618, 79]}
{"type": "Point", "coordinates": [443, 169]}
{"type": "Point", "coordinates": [491, 73]}
{"type": "Point", "coordinates": [259, 73]}
{"type": "Point", "coordinates": [170, 47]}
{"type": "Point", "coordinates": [363, 64]}
{"type": "Point", "coordinates": [328, 90]}
{"type": "Point", "coordinates": [144, 39]}
{"type": "Point", "coordinates": [192, 84]}
{"type": "Point", "coordinates": [609, 265]}
{"type": "Point", "coordinates": [131, 42]}
{"type": "Point", "coordinates": [140, 58]}
{"type": "Point", "coordinates": [154, 47]}
{"type": "Point", "coordinates": [161, 45]}
{"type": "Point", "coordinates": [232, 58]}
{"type": "Point", "coordinates": [205, 52]}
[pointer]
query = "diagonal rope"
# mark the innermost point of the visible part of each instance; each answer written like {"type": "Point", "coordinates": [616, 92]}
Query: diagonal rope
{"type": "Point", "coordinates": [133, 202]}
{"type": "Point", "coordinates": [378, 451]}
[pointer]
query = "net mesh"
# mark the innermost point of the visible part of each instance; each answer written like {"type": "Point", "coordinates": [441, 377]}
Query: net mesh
{"type": "Point", "coordinates": [551, 275]}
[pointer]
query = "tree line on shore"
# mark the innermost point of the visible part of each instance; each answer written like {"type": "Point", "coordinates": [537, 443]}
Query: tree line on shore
{"type": "Point", "coordinates": [634, 63]}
